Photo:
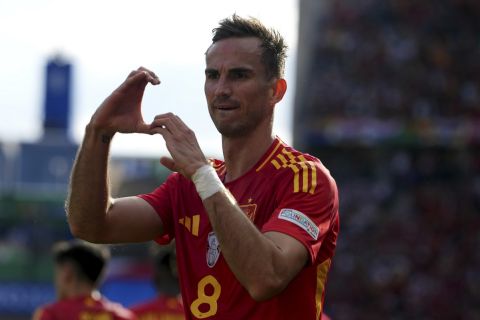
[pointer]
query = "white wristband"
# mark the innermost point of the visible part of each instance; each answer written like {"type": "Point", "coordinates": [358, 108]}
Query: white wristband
{"type": "Point", "coordinates": [207, 181]}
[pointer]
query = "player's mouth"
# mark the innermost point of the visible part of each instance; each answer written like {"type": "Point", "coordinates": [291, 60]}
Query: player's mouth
{"type": "Point", "coordinates": [225, 107]}
{"type": "Point", "coordinates": [225, 104]}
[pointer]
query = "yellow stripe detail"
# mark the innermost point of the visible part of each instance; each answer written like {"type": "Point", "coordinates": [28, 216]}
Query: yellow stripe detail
{"type": "Point", "coordinates": [290, 155]}
{"type": "Point", "coordinates": [314, 178]}
{"type": "Point", "coordinates": [304, 173]}
{"type": "Point", "coordinates": [322, 271]}
{"type": "Point", "coordinates": [295, 178]}
{"type": "Point", "coordinates": [276, 164]}
{"type": "Point", "coordinates": [269, 156]}
{"type": "Point", "coordinates": [297, 164]}
{"type": "Point", "coordinates": [305, 177]}
{"type": "Point", "coordinates": [196, 224]}
{"type": "Point", "coordinates": [284, 160]}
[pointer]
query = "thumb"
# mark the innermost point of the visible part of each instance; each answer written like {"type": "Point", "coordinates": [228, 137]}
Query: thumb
{"type": "Point", "coordinates": [142, 127]}
{"type": "Point", "coordinates": [168, 163]}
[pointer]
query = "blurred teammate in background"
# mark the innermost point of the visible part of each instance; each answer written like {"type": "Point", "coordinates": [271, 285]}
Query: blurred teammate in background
{"type": "Point", "coordinates": [78, 270]}
{"type": "Point", "coordinates": [167, 305]}
{"type": "Point", "coordinates": [255, 234]}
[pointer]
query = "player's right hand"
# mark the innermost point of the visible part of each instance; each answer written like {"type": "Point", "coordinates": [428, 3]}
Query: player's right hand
{"type": "Point", "coordinates": [121, 110]}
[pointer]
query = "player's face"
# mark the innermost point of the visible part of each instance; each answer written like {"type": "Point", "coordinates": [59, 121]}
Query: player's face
{"type": "Point", "coordinates": [238, 93]}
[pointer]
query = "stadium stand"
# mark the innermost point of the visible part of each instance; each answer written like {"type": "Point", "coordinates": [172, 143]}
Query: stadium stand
{"type": "Point", "coordinates": [389, 99]}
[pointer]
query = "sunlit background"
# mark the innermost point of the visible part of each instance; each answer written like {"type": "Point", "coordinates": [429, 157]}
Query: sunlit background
{"type": "Point", "coordinates": [104, 41]}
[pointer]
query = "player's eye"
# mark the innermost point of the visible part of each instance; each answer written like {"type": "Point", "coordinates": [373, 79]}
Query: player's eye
{"type": "Point", "coordinates": [211, 75]}
{"type": "Point", "coordinates": [239, 74]}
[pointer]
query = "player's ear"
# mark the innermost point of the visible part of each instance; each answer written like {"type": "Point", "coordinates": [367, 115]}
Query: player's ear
{"type": "Point", "coordinates": [67, 272]}
{"type": "Point", "coordinates": [279, 87]}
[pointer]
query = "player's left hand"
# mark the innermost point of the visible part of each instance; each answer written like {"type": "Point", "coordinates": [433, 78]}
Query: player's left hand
{"type": "Point", "coordinates": [181, 142]}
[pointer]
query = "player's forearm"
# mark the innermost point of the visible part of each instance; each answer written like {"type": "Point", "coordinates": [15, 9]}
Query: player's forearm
{"type": "Point", "coordinates": [89, 196]}
{"type": "Point", "coordinates": [252, 257]}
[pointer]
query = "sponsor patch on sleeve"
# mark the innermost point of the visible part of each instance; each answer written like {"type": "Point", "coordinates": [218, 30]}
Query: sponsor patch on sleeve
{"type": "Point", "coordinates": [300, 220]}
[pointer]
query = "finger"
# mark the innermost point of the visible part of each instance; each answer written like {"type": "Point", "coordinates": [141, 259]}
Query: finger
{"type": "Point", "coordinates": [143, 128]}
{"type": "Point", "coordinates": [183, 128]}
{"type": "Point", "coordinates": [152, 77]}
{"type": "Point", "coordinates": [166, 121]}
{"type": "Point", "coordinates": [136, 76]}
{"type": "Point", "coordinates": [161, 123]}
{"type": "Point", "coordinates": [168, 163]}
{"type": "Point", "coordinates": [176, 121]}
{"type": "Point", "coordinates": [167, 135]}
{"type": "Point", "coordinates": [136, 79]}
{"type": "Point", "coordinates": [139, 76]}
{"type": "Point", "coordinates": [164, 115]}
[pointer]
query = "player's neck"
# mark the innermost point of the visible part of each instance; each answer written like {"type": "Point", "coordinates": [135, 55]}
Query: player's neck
{"type": "Point", "coordinates": [81, 290]}
{"type": "Point", "coordinates": [241, 154]}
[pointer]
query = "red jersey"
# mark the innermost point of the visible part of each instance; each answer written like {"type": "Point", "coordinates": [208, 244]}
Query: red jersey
{"type": "Point", "coordinates": [160, 308]}
{"type": "Point", "coordinates": [286, 191]}
{"type": "Point", "coordinates": [90, 307]}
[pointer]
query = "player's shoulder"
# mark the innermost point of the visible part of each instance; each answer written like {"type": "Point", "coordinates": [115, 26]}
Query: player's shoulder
{"type": "Point", "coordinates": [117, 309]}
{"type": "Point", "coordinates": [49, 310]}
{"type": "Point", "coordinates": [301, 171]}
{"type": "Point", "coordinates": [286, 158]}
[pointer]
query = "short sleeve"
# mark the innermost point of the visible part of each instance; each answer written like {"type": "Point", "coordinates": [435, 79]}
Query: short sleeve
{"type": "Point", "coordinates": [161, 200]}
{"type": "Point", "coordinates": [305, 213]}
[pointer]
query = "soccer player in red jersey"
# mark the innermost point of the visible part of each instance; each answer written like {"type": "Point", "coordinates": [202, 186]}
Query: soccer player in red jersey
{"type": "Point", "coordinates": [255, 234]}
{"type": "Point", "coordinates": [78, 270]}
{"type": "Point", "coordinates": [167, 305]}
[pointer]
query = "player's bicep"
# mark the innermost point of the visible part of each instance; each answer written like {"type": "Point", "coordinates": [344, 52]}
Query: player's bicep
{"type": "Point", "coordinates": [131, 219]}
{"type": "Point", "coordinates": [293, 255]}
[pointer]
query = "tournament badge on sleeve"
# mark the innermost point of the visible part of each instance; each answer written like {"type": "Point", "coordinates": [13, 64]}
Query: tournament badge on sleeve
{"type": "Point", "coordinates": [213, 250]}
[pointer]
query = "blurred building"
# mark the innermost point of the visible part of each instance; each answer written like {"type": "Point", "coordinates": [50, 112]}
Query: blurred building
{"type": "Point", "coordinates": [43, 167]}
{"type": "Point", "coordinates": [34, 179]}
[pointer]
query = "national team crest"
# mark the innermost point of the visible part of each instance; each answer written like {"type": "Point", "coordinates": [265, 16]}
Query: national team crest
{"type": "Point", "coordinates": [213, 250]}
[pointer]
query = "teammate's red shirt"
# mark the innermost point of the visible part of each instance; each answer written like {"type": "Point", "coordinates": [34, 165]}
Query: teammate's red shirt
{"type": "Point", "coordinates": [286, 191]}
{"type": "Point", "coordinates": [89, 307]}
{"type": "Point", "coordinates": [160, 308]}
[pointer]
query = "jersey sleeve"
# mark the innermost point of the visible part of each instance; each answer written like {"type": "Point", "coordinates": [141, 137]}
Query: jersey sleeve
{"type": "Point", "coordinates": [161, 200]}
{"type": "Point", "coordinates": [307, 205]}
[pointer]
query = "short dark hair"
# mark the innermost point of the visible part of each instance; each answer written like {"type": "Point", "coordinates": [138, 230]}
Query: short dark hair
{"type": "Point", "coordinates": [273, 45]}
{"type": "Point", "coordinates": [89, 260]}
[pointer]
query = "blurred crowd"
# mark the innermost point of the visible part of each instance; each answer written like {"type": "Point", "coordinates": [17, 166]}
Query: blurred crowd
{"type": "Point", "coordinates": [410, 234]}
{"type": "Point", "coordinates": [396, 66]}
{"type": "Point", "coordinates": [409, 246]}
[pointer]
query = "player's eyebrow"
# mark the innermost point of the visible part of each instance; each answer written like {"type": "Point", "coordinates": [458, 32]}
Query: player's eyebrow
{"type": "Point", "coordinates": [210, 70]}
{"type": "Point", "coordinates": [233, 70]}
